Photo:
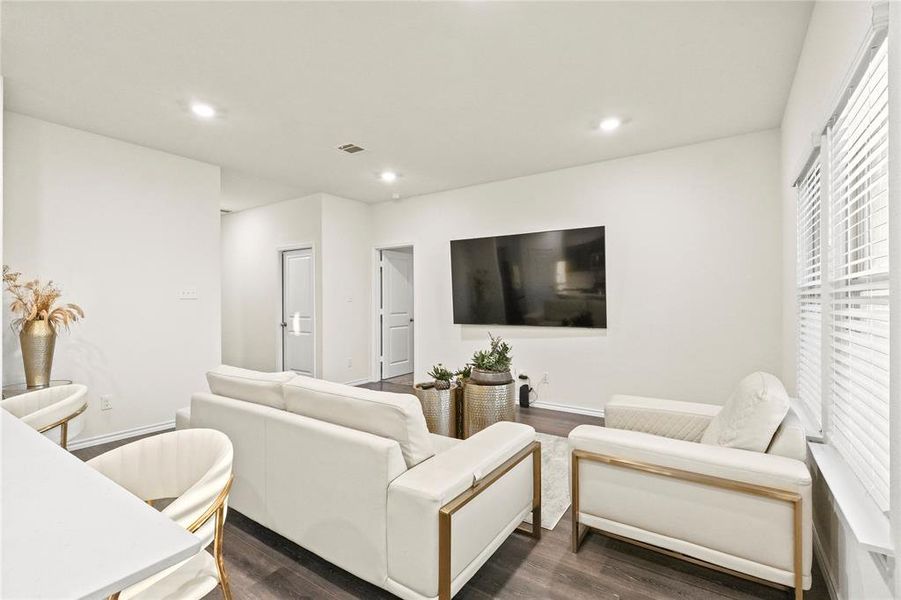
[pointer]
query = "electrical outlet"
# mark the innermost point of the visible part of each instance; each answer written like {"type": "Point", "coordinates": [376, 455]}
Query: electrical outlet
{"type": "Point", "coordinates": [350, 363]}
{"type": "Point", "coordinates": [188, 293]}
{"type": "Point", "coordinates": [545, 380]}
{"type": "Point", "coordinates": [106, 402]}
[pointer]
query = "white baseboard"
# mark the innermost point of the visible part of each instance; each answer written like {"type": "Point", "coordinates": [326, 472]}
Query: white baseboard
{"type": "Point", "coordinates": [358, 381]}
{"type": "Point", "coordinates": [105, 438]}
{"type": "Point", "coordinates": [828, 575]}
{"type": "Point", "coordinates": [579, 410]}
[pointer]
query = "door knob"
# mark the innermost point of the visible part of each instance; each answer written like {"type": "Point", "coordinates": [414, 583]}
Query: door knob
{"type": "Point", "coordinates": [283, 324]}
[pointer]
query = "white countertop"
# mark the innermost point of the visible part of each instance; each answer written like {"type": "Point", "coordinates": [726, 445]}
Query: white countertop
{"type": "Point", "coordinates": [66, 531]}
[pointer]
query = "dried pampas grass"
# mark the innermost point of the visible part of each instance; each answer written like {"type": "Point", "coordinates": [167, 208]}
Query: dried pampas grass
{"type": "Point", "coordinates": [34, 301]}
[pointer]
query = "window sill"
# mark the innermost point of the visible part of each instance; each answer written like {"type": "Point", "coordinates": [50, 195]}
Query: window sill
{"type": "Point", "coordinates": [811, 427]}
{"type": "Point", "coordinates": [855, 508]}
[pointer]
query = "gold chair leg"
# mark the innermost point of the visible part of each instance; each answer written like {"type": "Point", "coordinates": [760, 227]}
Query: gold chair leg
{"type": "Point", "coordinates": [217, 552]}
{"type": "Point", "coordinates": [444, 555]}
{"type": "Point", "coordinates": [535, 530]}
{"type": "Point", "coordinates": [536, 492]}
{"type": "Point", "coordinates": [64, 435]}
{"type": "Point", "coordinates": [577, 534]}
{"type": "Point", "coordinates": [798, 549]}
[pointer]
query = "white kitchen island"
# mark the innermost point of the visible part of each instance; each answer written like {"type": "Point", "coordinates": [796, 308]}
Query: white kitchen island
{"type": "Point", "coordinates": [67, 531]}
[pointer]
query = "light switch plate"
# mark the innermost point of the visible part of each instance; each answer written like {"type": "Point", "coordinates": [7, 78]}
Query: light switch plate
{"type": "Point", "coordinates": [188, 293]}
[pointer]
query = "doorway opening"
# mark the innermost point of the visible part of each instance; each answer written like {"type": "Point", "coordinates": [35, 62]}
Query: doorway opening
{"type": "Point", "coordinates": [395, 315]}
{"type": "Point", "coordinates": [298, 314]}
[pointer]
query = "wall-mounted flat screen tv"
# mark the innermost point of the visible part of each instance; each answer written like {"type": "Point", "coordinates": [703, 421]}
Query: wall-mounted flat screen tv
{"type": "Point", "coordinates": [548, 278]}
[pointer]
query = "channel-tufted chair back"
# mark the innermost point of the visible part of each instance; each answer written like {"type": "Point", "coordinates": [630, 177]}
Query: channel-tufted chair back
{"type": "Point", "coordinates": [192, 465]}
{"type": "Point", "coordinates": [48, 409]}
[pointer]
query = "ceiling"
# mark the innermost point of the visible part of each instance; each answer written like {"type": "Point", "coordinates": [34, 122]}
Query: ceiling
{"type": "Point", "coordinates": [445, 94]}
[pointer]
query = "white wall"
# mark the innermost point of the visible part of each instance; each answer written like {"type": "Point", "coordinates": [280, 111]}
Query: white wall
{"type": "Point", "coordinates": [251, 278]}
{"type": "Point", "coordinates": [835, 38]}
{"type": "Point", "coordinates": [339, 230]}
{"type": "Point", "coordinates": [346, 289]}
{"type": "Point", "coordinates": [693, 270]}
{"type": "Point", "coordinates": [121, 229]}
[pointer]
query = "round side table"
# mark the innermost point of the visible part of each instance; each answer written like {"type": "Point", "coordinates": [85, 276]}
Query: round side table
{"type": "Point", "coordinates": [439, 408]}
{"type": "Point", "coordinates": [485, 405]}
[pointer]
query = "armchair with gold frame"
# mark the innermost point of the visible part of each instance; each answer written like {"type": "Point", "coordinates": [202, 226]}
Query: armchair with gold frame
{"type": "Point", "coordinates": [646, 479]}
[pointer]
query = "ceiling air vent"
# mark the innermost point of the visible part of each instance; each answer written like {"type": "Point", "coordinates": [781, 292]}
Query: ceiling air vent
{"type": "Point", "coordinates": [350, 148]}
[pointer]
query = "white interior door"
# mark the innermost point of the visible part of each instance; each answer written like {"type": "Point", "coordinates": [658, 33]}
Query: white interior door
{"type": "Point", "coordinates": [397, 312]}
{"type": "Point", "coordinates": [298, 312]}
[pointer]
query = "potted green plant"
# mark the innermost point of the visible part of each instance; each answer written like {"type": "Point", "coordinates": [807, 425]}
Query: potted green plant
{"type": "Point", "coordinates": [492, 366]}
{"type": "Point", "coordinates": [442, 376]}
{"type": "Point", "coordinates": [463, 374]}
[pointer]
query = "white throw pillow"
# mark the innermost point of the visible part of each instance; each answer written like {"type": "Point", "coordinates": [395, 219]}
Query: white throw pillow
{"type": "Point", "coordinates": [251, 386]}
{"type": "Point", "coordinates": [751, 415]}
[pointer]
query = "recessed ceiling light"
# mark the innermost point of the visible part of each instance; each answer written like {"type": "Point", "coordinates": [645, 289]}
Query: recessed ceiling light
{"type": "Point", "coordinates": [388, 176]}
{"type": "Point", "coordinates": [611, 123]}
{"type": "Point", "coordinates": [202, 110]}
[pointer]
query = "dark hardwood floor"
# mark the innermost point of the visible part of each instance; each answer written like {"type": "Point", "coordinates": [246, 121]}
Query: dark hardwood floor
{"type": "Point", "coordinates": [263, 565]}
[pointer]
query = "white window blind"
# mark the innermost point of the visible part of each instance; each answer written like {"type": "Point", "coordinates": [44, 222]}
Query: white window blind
{"type": "Point", "coordinates": [859, 280]}
{"type": "Point", "coordinates": [809, 291]}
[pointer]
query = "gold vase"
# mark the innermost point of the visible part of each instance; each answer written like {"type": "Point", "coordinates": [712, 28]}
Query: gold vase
{"type": "Point", "coordinates": [37, 339]}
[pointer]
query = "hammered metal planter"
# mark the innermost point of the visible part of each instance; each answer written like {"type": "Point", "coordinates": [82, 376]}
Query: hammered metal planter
{"type": "Point", "coordinates": [439, 408]}
{"type": "Point", "coordinates": [38, 340]}
{"type": "Point", "coordinates": [486, 405]}
{"type": "Point", "coordinates": [481, 377]}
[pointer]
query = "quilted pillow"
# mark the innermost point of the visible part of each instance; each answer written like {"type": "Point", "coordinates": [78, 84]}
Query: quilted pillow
{"type": "Point", "coordinates": [751, 415]}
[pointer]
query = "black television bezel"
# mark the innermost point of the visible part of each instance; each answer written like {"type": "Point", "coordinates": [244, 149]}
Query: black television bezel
{"type": "Point", "coordinates": [523, 325]}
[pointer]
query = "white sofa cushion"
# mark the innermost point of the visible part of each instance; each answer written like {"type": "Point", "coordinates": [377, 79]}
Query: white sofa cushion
{"type": "Point", "coordinates": [395, 416]}
{"type": "Point", "coordinates": [751, 415]}
{"type": "Point", "coordinates": [251, 386]}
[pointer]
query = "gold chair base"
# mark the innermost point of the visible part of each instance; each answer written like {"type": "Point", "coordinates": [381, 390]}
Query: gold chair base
{"type": "Point", "coordinates": [217, 509]}
{"type": "Point", "coordinates": [579, 531]}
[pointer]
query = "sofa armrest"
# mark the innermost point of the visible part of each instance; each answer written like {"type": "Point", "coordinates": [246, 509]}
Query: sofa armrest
{"type": "Point", "coordinates": [455, 470]}
{"type": "Point", "coordinates": [668, 418]}
{"type": "Point", "coordinates": [183, 418]}
{"type": "Point", "coordinates": [733, 464]}
{"type": "Point", "coordinates": [447, 514]}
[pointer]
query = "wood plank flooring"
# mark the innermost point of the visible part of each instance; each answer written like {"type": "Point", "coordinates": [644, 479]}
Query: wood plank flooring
{"type": "Point", "coordinates": [263, 565]}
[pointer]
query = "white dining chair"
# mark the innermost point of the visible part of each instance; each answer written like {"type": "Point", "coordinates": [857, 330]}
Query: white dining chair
{"type": "Point", "coordinates": [54, 411]}
{"type": "Point", "coordinates": [193, 466]}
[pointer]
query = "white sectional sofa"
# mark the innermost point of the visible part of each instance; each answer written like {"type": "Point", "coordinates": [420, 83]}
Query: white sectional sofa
{"type": "Point", "coordinates": [354, 476]}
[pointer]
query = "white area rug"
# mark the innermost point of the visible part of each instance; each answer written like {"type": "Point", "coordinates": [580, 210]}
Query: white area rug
{"type": "Point", "coordinates": [554, 479]}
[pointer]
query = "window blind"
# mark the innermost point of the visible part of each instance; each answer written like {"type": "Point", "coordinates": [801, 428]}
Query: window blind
{"type": "Point", "coordinates": [859, 280]}
{"type": "Point", "coordinates": [809, 291]}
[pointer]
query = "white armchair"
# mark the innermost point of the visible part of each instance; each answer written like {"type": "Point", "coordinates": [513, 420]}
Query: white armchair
{"type": "Point", "coordinates": [647, 479]}
{"type": "Point", "coordinates": [54, 411]}
{"type": "Point", "coordinates": [194, 468]}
